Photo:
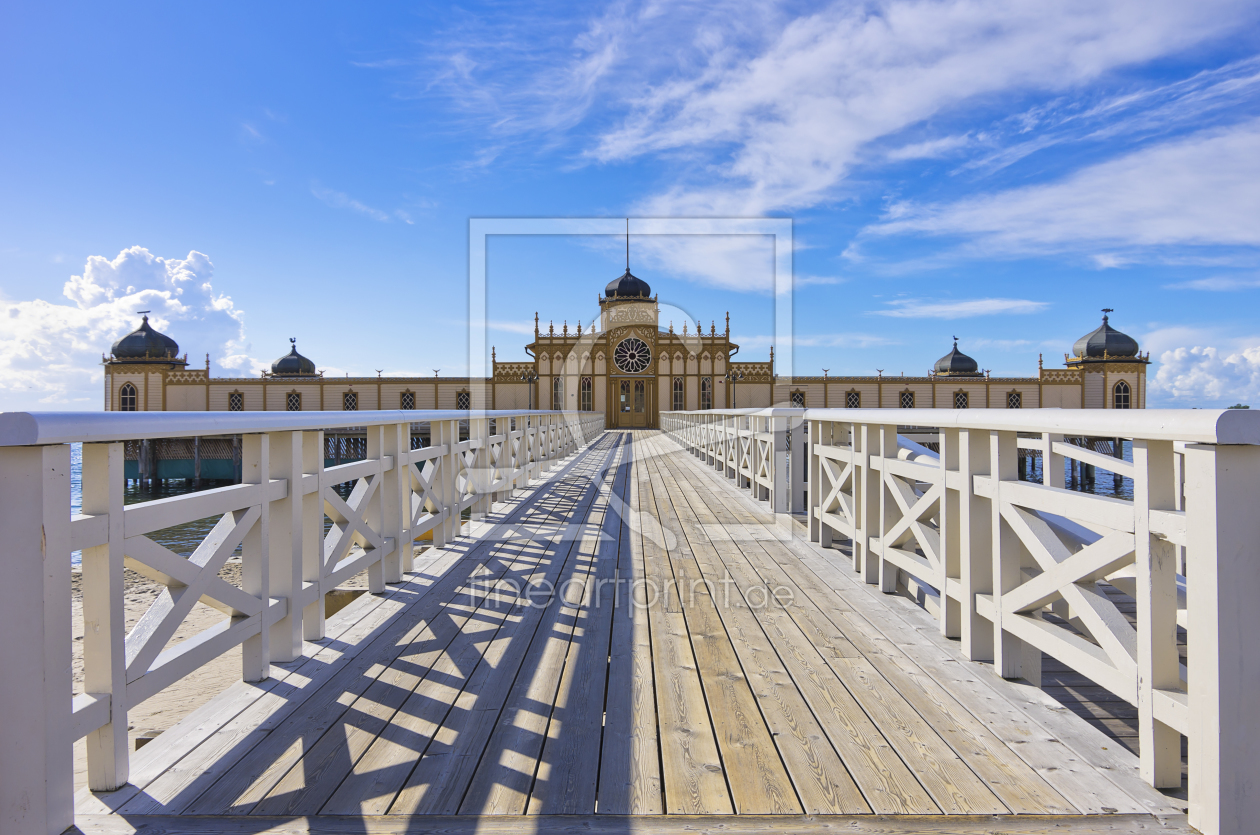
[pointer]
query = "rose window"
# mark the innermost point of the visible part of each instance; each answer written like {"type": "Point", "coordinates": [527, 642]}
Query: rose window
{"type": "Point", "coordinates": [632, 355]}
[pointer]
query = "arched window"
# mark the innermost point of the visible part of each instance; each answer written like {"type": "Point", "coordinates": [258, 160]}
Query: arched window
{"type": "Point", "coordinates": [679, 402]}
{"type": "Point", "coordinates": [853, 400]}
{"type": "Point", "coordinates": [961, 400]}
{"type": "Point", "coordinates": [1014, 400]}
{"type": "Point", "coordinates": [293, 402]}
{"type": "Point", "coordinates": [350, 402]}
{"type": "Point", "coordinates": [557, 392]}
{"type": "Point", "coordinates": [236, 401]}
{"type": "Point", "coordinates": [407, 400]}
{"type": "Point", "coordinates": [907, 400]}
{"type": "Point", "coordinates": [588, 395]}
{"type": "Point", "coordinates": [463, 400]}
{"type": "Point", "coordinates": [706, 393]}
{"type": "Point", "coordinates": [1120, 395]}
{"type": "Point", "coordinates": [127, 398]}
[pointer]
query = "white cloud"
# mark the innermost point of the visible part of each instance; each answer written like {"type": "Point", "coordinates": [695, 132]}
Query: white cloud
{"type": "Point", "coordinates": [1207, 375]}
{"type": "Point", "coordinates": [820, 340]}
{"type": "Point", "coordinates": [1218, 283]}
{"type": "Point", "coordinates": [788, 120]}
{"type": "Point", "coordinates": [1199, 190]}
{"type": "Point", "coordinates": [50, 351]}
{"type": "Point", "coordinates": [928, 309]}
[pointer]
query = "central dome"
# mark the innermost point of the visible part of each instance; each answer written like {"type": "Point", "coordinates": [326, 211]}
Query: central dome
{"type": "Point", "coordinates": [628, 286]}
{"type": "Point", "coordinates": [145, 343]}
{"type": "Point", "coordinates": [293, 364]}
{"type": "Point", "coordinates": [1106, 341]}
{"type": "Point", "coordinates": [957, 364]}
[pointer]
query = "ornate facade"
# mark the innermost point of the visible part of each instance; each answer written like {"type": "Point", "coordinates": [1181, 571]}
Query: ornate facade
{"type": "Point", "coordinates": [628, 367]}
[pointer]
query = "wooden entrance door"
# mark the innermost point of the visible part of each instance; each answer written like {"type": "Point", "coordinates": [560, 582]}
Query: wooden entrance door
{"type": "Point", "coordinates": [633, 404]}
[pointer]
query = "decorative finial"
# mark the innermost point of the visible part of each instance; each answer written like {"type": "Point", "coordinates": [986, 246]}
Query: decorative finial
{"type": "Point", "coordinates": [684, 327]}
{"type": "Point", "coordinates": [825, 370]}
{"type": "Point", "coordinates": [671, 325]}
{"type": "Point", "coordinates": [879, 371]}
{"type": "Point", "coordinates": [493, 356]}
{"type": "Point", "coordinates": [955, 343]}
{"type": "Point", "coordinates": [1105, 311]}
{"type": "Point", "coordinates": [728, 323]}
{"type": "Point", "coordinates": [1040, 362]}
{"type": "Point", "coordinates": [435, 371]}
{"type": "Point", "coordinates": [378, 373]}
{"type": "Point", "coordinates": [712, 328]}
{"type": "Point", "coordinates": [566, 327]}
{"type": "Point", "coordinates": [551, 328]}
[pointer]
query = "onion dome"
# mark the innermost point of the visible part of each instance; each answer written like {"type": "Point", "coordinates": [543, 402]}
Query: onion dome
{"type": "Point", "coordinates": [957, 364]}
{"type": "Point", "coordinates": [293, 364]}
{"type": "Point", "coordinates": [1105, 343]}
{"type": "Point", "coordinates": [628, 287]}
{"type": "Point", "coordinates": [145, 343]}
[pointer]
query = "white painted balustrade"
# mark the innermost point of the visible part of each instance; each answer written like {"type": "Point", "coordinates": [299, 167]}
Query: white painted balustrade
{"type": "Point", "coordinates": [1013, 568]}
{"type": "Point", "coordinates": [275, 517]}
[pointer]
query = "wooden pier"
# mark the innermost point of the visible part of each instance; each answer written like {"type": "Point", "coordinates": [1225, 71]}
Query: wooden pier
{"type": "Point", "coordinates": [632, 644]}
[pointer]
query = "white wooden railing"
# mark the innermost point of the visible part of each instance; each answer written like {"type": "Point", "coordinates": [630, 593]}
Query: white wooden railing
{"type": "Point", "coordinates": [275, 517]}
{"type": "Point", "coordinates": [1014, 568]}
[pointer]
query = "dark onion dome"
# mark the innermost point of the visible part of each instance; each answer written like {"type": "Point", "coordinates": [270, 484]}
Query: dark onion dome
{"type": "Point", "coordinates": [1105, 342]}
{"type": "Point", "coordinates": [145, 343]}
{"type": "Point", "coordinates": [293, 364]}
{"type": "Point", "coordinates": [957, 364]}
{"type": "Point", "coordinates": [628, 287]}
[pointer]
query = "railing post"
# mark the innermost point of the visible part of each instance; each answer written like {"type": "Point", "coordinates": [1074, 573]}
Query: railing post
{"type": "Point", "coordinates": [313, 536]}
{"type": "Point", "coordinates": [104, 617]}
{"type": "Point", "coordinates": [950, 532]}
{"type": "Point", "coordinates": [1159, 665]}
{"type": "Point", "coordinates": [887, 573]}
{"type": "Point", "coordinates": [374, 513]}
{"type": "Point", "coordinates": [867, 490]}
{"type": "Point", "coordinates": [255, 558]}
{"type": "Point", "coordinates": [446, 433]}
{"type": "Point", "coordinates": [1007, 649]}
{"type": "Point", "coordinates": [975, 534]}
{"type": "Point", "coordinates": [1223, 585]}
{"type": "Point", "coordinates": [36, 748]}
{"type": "Point", "coordinates": [479, 431]}
{"type": "Point", "coordinates": [284, 571]}
{"type": "Point", "coordinates": [796, 462]}
{"type": "Point", "coordinates": [395, 490]}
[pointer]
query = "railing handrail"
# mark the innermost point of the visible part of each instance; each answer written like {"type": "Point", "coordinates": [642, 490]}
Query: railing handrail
{"type": "Point", "coordinates": [41, 428]}
{"type": "Point", "coordinates": [1206, 426]}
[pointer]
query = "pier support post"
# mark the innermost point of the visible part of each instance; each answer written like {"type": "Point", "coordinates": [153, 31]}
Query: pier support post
{"type": "Point", "coordinates": [313, 452]}
{"type": "Point", "coordinates": [36, 749]}
{"type": "Point", "coordinates": [975, 531]}
{"type": "Point", "coordinates": [1008, 650]}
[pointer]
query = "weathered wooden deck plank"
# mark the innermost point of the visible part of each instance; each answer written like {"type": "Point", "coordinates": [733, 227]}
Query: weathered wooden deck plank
{"type": "Point", "coordinates": [630, 765]}
{"type": "Point", "coordinates": [644, 824]}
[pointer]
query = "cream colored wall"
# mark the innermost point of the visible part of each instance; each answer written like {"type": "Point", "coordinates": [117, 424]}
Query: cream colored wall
{"type": "Point", "coordinates": [185, 398]}
{"type": "Point", "coordinates": [1061, 397]}
{"type": "Point", "coordinates": [511, 396]}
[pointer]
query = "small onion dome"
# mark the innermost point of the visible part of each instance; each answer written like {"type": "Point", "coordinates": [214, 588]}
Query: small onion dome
{"type": "Point", "coordinates": [1106, 342]}
{"type": "Point", "coordinates": [293, 364]}
{"type": "Point", "coordinates": [145, 343]}
{"type": "Point", "coordinates": [628, 287]}
{"type": "Point", "coordinates": [957, 364]}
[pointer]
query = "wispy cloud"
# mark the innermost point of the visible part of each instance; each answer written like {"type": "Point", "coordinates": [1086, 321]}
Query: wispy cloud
{"type": "Point", "coordinates": [927, 309]}
{"type": "Point", "coordinates": [341, 200]}
{"type": "Point", "coordinates": [1198, 190]}
{"type": "Point", "coordinates": [526, 328]}
{"type": "Point", "coordinates": [1219, 283]}
{"type": "Point", "coordinates": [818, 340]}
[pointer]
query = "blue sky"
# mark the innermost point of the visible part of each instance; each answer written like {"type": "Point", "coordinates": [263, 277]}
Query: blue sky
{"type": "Point", "coordinates": [994, 171]}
